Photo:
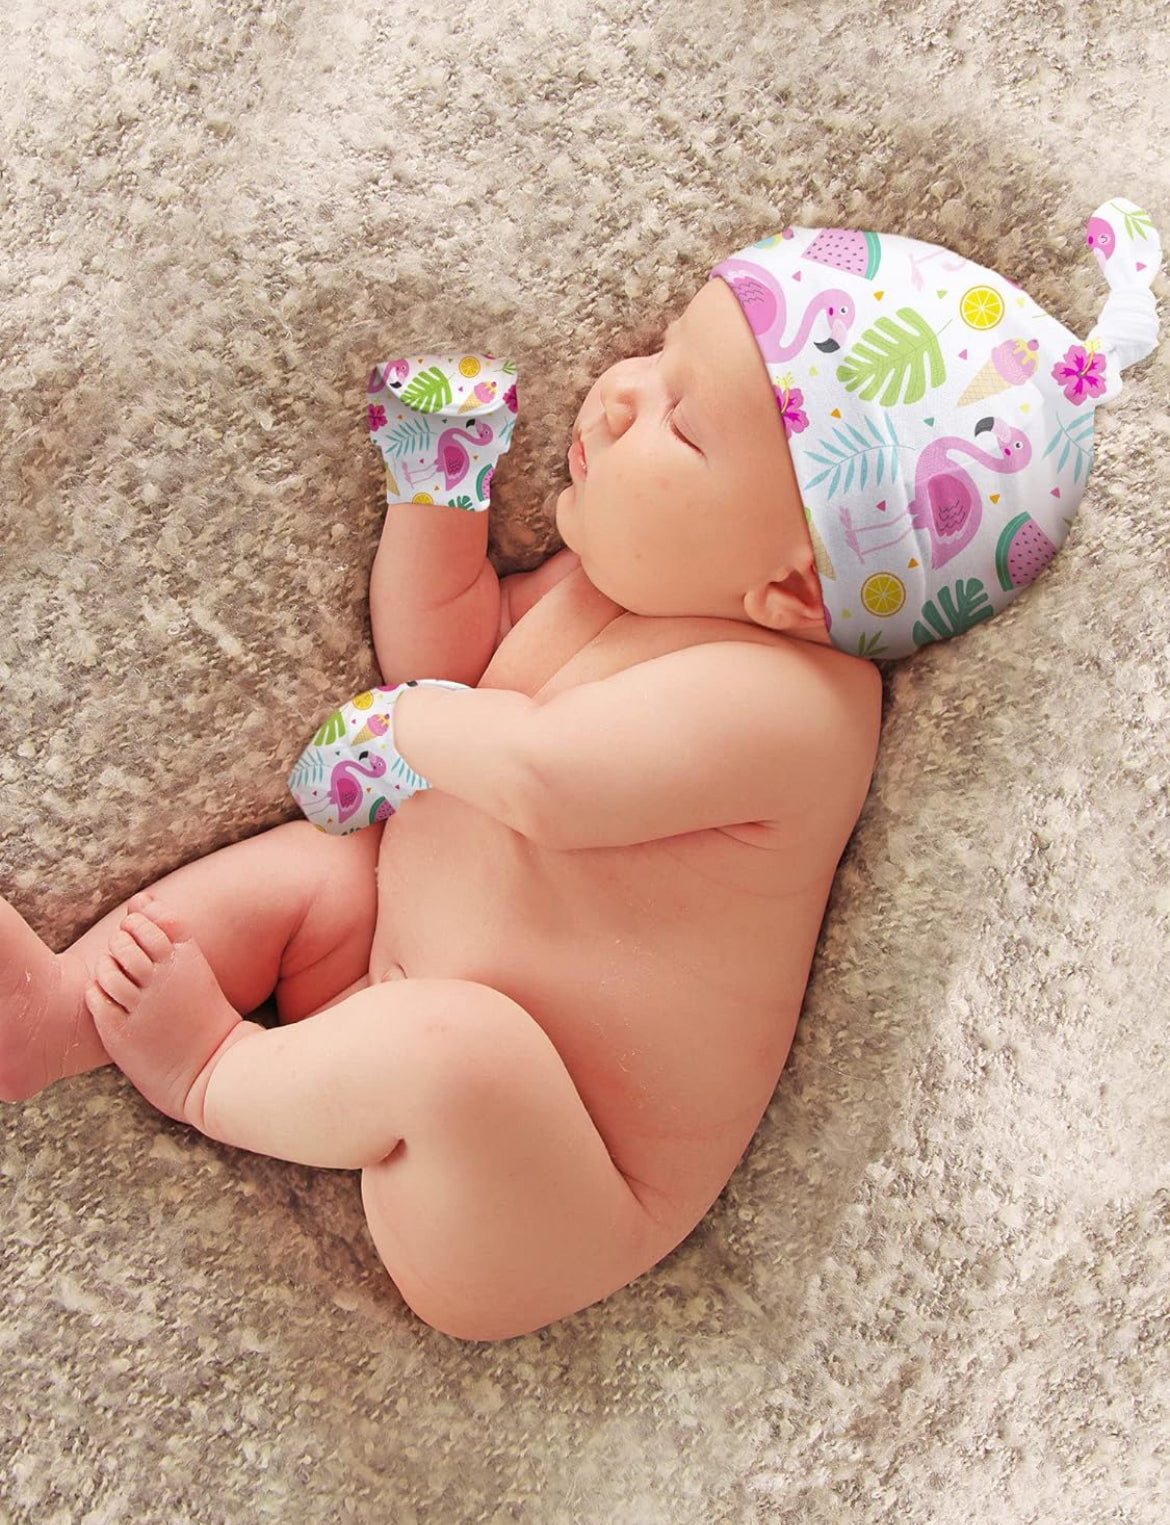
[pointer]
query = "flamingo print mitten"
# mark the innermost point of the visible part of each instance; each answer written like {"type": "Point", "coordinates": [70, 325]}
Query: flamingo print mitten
{"type": "Point", "coordinates": [351, 775]}
{"type": "Point", "coordinates": [940, 423]}
{"type": "Point", "coordinates": [442, 422]}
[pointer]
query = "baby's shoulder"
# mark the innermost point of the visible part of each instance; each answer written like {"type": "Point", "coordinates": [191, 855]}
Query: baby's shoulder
{"type": "Point", "coordinates": [817, 710]}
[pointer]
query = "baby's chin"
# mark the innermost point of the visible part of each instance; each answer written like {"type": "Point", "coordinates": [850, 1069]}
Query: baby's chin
{"type": "Point", "coordinates": [562, 495]}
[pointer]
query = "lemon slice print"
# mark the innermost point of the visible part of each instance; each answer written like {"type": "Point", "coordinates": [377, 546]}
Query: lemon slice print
{"type": "Point", "coordinates": [883, 593]}
{"type": "Point", "coordinates": [982, 307]}
{"type": "Point", "coordinates": [469, 366]}
{"type": "Point", "coordinates": [422, 497]}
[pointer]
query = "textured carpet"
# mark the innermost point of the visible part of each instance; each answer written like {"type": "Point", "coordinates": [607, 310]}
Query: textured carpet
{"type": "Point", "coordinates": [936, 1288]}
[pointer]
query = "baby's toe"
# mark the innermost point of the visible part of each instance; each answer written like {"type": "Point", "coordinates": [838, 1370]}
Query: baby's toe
{"type": "Point", "coordinates": [101, 1007]}
{"type": "Point", "coordinates": [114, 983]}
{"type": "Point", "coordinates": [135, 962]}
{"type": "Point", "coordinates": [153, 943]}
{"type": "Point", "coordinates": [162, 918]}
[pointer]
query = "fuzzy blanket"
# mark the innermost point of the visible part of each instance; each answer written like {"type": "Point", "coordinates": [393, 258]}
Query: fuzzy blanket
{"type": "Point", "coordinates": [936, 1287]}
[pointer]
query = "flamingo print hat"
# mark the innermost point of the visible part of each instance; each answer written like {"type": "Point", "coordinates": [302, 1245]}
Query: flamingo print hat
{"type": "Point", "coordinates": [940, 423]}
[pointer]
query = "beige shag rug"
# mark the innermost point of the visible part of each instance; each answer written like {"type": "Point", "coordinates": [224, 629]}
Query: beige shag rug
{"type": "Point", "coordinates": [936, 1288]}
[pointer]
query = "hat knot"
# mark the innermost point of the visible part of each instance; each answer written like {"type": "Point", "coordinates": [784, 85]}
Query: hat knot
{"type": "Point", "coordinates": [1126, 246]}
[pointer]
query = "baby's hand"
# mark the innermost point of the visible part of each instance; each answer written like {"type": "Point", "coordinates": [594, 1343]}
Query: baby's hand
{"type": "Point", "coordinates": [350, 775]}
{"type": "Point", "coordinates": [442, 421]}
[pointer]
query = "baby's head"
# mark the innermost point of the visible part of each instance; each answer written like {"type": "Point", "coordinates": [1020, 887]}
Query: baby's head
{"type": "Point", "coordinates": [856, 415]}
{"type": "Point", "coordinates": [687, 503]}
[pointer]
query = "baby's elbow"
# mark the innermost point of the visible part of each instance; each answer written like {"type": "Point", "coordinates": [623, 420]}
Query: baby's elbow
{"type": "Point", "coordinates": [539, 820]}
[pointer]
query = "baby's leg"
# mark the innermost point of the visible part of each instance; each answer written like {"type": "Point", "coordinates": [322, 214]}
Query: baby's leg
{"type": "Point", "coordinates": [490, 1194]}
{"type": "Point", "coordinates": [292, 907]}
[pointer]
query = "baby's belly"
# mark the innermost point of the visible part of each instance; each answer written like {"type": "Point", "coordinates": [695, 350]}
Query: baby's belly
{"type": "Point", "coordinates": [669, 987]}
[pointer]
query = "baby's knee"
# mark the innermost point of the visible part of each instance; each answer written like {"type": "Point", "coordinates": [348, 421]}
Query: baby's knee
{"type": "Point", "coordinates": [336, 930]}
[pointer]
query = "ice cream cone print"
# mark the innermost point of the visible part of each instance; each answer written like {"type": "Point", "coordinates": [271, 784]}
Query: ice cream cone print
{"type": "Point", "coordinates": [375, 726]}
{"type": "Point", "coordinates": [483, 394]}
{"type": "Point", "coordinates": [1011, 364]}
{"type": "Point", "coordinates": [821, 556]}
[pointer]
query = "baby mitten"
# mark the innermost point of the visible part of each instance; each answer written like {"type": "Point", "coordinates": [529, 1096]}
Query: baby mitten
{"type": "Point", "coordinates": [350, 775]}
{"type": "Point", "coordinates": [442, 422]}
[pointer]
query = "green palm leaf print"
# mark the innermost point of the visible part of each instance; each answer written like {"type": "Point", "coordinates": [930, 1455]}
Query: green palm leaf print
{"type": "Point", "coordinates": [954, 613]}
{"type": "Point", "coordinates": [333, 727]}
{"type": "Point", "coordinates": [1137, 222]}
{"type": "Point", "coordinates": [892, 356]}
{"type": "Point", "coordinates": [428, 392]}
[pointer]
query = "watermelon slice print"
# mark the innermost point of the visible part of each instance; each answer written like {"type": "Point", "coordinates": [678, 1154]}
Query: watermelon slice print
{"type": "Point", "coordinates": [847, 249]}
{"type": "Point", "coordinates": [1023, 551]}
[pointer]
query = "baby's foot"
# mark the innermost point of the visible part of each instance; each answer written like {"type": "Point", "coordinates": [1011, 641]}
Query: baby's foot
{"type": "Point", "coordinates": [40, 1011]}
{"type": "Point", "coordinates": [159, 1009]}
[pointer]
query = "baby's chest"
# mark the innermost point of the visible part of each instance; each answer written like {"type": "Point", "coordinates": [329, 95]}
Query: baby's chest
{"type": "Point", "coordinates": [576, 634]}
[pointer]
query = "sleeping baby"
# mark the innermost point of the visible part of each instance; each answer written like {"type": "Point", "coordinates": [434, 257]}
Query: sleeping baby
{"type": "Point", "coordinates": [540, 939]}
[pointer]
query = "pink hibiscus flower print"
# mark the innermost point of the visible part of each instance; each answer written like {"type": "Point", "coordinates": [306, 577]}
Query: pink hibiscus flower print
{"type": "Point", "coordinates": [790, 399]}
{"type": "Point", "coordinates": [377, 416]}
{"type": "Point", "coordinates": [1081, 373]}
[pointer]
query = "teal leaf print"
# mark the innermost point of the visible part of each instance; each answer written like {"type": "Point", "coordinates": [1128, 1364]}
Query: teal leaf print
{"type": "Point", "coordinates": [411, 437]}
{"type": "Point", "coordinates": [428, 392]}
{"type": "Point", "coordinates": [1077, 436]}
{"type": "Point", "coordinates": [837, 457]}
{"type": "Point", "coordinates": [959, 612]}
{"type": "Point", "coordinates": [307, 772]}
{"type": "Point", "coordinates": [894, 357]}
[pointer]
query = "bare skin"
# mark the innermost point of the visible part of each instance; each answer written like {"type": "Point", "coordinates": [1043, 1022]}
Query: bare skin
{"type": "Point", "coordinates": [548, 1063]}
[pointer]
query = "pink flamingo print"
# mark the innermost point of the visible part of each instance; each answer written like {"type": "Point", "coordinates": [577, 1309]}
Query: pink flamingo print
{"type": "Point", "coordinates": [1101, 238]}
{"type": "Point", "coordinates": [763, 301]}
{"type": "Point", "coordinates": [946, 501]}
{"type": "Point", "coordinates": [345, 791]}
{"type": "Point", "coordinates": [394, 372]}
{"type": "Point", "coordinates": [451, 457]}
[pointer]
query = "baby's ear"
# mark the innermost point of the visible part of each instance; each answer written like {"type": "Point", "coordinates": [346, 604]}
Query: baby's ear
{"type": "Point", "coordinates": [789, 603]}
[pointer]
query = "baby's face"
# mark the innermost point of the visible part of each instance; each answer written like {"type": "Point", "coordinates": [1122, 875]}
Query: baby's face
{"type": "Point", "coordinates": [688, 501]}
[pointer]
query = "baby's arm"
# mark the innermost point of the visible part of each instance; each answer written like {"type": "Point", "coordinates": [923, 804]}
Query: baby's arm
{"type": "Point", "coordinates": [437, 607]}
{"type": "Point", "coordinates": [434, 595]}
{"type": "Point", "coordinates": [713, 735]}
{"type": "Point", "coordinates": [473, 743]}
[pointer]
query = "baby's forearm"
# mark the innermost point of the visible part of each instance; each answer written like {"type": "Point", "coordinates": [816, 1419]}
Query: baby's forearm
{"type": "Point", "coordinates": [437, 551]}
{"type": "Point", "coordinates": [474, 744]}
{"type": "Point", "coordinates": [434, 595]}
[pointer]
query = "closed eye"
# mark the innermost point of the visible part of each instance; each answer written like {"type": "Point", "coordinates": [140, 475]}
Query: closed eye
{"type": "Point", "coordinates": [677, 431]}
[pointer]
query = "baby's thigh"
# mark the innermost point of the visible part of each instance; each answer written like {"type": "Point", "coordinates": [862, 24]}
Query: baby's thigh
{"type": "Point", "coordinates": [328, 956]}
{"type": "Point", "coordinates": [502, 1209]}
